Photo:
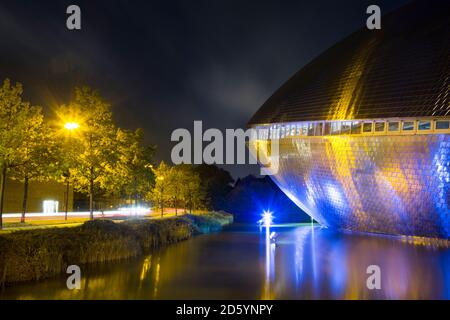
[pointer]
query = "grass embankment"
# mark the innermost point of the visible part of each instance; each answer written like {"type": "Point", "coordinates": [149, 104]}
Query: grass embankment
{"type": "Point", "coordinates": [42, 253]}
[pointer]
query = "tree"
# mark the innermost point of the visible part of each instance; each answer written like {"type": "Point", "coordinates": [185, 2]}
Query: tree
{"type": "Point", "coordinates": [174, 186]}
{"type": "Point", "coordinates": [35, 153]}
{"type": "Point", "coordinates": [160, 194]}
{"type": "Point", "coordinates": [14, 119]}
{"type": "Point", "coordinates": [134, 174]}
{"type": "Point", "coordinates": [65, 155]}
{"type": "Point", "coordinates": [216, 183]}
{"type": "Point", "coordinates": [191, 193]}
{"type": "Point", "coordinates": [98, 140]}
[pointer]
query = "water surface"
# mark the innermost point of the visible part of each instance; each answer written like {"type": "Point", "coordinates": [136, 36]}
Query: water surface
{"type": "Point", "coordinates": [241, 262]}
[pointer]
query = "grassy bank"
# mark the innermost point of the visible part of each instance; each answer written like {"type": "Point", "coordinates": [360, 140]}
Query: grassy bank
{"type": "Point", "coordinates": [42, 253]}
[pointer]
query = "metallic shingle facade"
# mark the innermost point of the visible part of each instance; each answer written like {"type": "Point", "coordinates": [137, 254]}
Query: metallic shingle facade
{"type": "Point", "coordinates": [402, 70]}
{"type": "Point", "coordinates": [385, 184]}
{"type": "Point", "coordinates": [393, 180]}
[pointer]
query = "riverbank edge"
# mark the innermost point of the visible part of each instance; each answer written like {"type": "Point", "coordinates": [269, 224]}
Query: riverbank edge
{"type": "Point", "coordinates": [43, 253]}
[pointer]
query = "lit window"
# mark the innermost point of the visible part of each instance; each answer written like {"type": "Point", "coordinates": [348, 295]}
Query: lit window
{"type": "Point", "coordinates": [356, 127]}
{"type": "Point", "coordinates": [319, 129]}
{"type": "Point", "coordinates": [367, 127]}
{"type": "Point", "coordinates": [424, 125]}
{"type": "Point", "coordinates": [304, 129]}
{"type": "Point", "coordinates": [335, 128]}
{"type": "Point", "coordinates": [50, 206]}
{"type": "Point", "coordinates": [442, 125]}
{"type": "Point", "coordinates": [393, 126]}
{"type": "Point", "coordinates": [327, 128]}
{"type": "Point", "coordinates": [408, 126]}
{"type": "Point", "coordinates": [310, 129]}
{"type": "Point", "coordinates": [379, 126]}
{"type": "Point", "coordinates": [346, 127]}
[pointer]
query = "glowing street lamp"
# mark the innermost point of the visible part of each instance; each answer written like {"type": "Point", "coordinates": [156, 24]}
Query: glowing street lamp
{"type": "Point", "coordinates": [71, 126]}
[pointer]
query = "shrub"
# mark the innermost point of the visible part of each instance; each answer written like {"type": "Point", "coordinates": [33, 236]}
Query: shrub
{"type": "Point", "coordinates": [41, 253]}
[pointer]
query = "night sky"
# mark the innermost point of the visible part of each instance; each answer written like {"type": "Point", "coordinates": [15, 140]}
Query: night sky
{"type": "Point", "coordinates": [164, 64]}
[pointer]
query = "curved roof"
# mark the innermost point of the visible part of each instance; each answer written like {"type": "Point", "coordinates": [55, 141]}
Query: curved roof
{"type": "Point", "coordinates": [401, 70]}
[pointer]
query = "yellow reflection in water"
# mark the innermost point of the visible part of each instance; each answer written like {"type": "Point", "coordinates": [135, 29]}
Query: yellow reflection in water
{"type": "Point", "coordinates": [146, 266]}
{"type": "Point", "coordinates": [158, 269]}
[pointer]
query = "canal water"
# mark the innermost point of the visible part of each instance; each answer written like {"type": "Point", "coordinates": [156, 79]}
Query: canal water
{"type": "Point", "coordinates": [286, 262]}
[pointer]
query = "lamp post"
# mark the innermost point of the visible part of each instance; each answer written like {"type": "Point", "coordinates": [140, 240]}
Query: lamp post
{"type": "Point", "coordinates": [161, 178]}
{"type": "Point", "coordinates": [70, 126]}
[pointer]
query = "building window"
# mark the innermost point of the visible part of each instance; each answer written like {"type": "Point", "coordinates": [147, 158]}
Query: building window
{"type": "Point", "coordinates": [367, 127]}
{"type": "Point", "coordinates": [379, 126]}
{"type": "Point", "coordinates": [335, 128]}
{"type": "Point", "coordinates": [50, 206]}
{"type": "Point", "coordinates": [424, 125]}
{"type": "Point", "coordinates": [356, 127]}
{"type": "Point", "coordinates": [319, 129]}
{"type": "Point", "coordinates": [393, 126]}
{"type": "Point", "coordinates": [304, 129]}
{"type": "Point", "coordinates": [346, 127]}
{"type": "Point", "coordinates": [442, 125]}
{"type": "Point", "coordinates": [310, 129]}
{"type": "Point", "coordinates": [408, 126]}
{"type": "Point", "coordinates": [327, 130]}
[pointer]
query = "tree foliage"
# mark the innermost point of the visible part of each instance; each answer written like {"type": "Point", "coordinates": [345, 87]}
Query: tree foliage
{"type": "Point", "coordinates": [133, 174]}
{"type": "Point", "coordinates": [98, 144]}
{"type": "Point", "coordinates": [160, 195]}
{"type": "Point", "coordinates": [20, 132]}
{"type": "Point", "coordinates": [177, 186]}
{"type": "Point", "coordinates": [216, 183]}
{"type": "Point", "coordinates": [36, 154]}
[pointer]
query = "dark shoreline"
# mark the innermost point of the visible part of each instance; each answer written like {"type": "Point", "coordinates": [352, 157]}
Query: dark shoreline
{"type": "Point", "coordinates": [42, 253]}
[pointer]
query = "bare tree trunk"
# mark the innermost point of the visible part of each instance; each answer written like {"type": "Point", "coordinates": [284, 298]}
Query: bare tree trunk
{"type": "Point", "coordinates": [91, 196]}
{"type": "Point", "coordinates": [2, 194]}
{"type": "Point", "coordinates": [66, 205]}
{"type": "Point", "coordinates": [25, 199]}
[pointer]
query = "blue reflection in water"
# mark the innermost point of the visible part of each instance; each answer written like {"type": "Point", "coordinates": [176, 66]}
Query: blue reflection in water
{"type": "Point", "coordinates": [333, 265]}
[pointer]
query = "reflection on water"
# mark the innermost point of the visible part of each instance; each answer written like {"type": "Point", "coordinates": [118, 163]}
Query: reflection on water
{"type": "Point", "coordinates": [303, 262]}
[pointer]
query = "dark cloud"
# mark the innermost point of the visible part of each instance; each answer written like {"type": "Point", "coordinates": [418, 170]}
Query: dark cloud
{"type": "Point", "coordinates": [164, 64]}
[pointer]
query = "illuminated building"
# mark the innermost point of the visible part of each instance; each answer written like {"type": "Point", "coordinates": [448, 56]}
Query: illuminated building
{"type": "Point", "coordinates": [364, 129]}
{"type": "Point", "coordinates": [43, 196]}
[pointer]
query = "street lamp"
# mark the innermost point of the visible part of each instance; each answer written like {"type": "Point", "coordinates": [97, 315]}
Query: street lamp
{"type": "Point", "coordinates": [71, 126]}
